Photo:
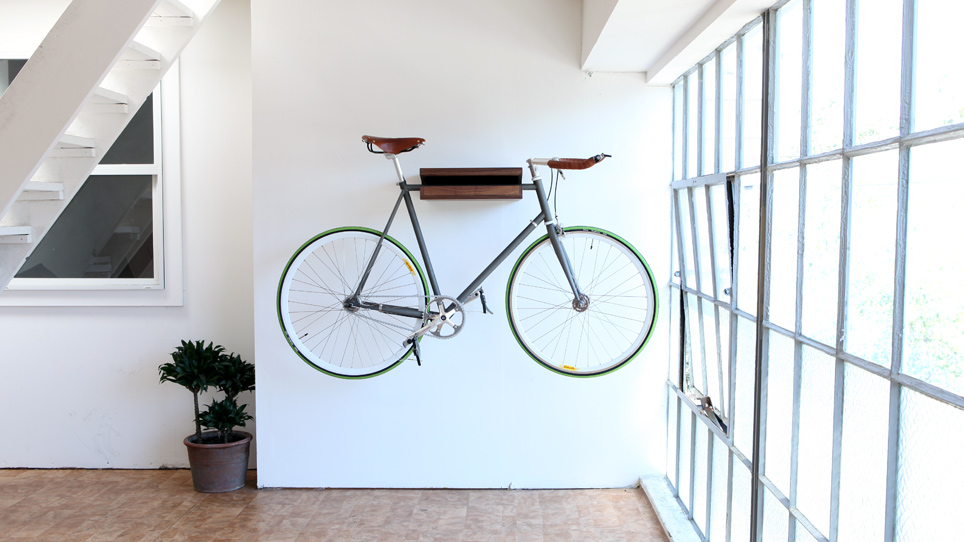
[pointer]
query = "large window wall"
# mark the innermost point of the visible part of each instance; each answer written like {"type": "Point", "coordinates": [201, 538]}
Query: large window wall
{"type": "Point", "coordinates": [816, 384]}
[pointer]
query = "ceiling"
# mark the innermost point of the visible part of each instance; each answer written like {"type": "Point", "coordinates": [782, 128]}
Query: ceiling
{"type": "Point", "coordinates": [662, 38]}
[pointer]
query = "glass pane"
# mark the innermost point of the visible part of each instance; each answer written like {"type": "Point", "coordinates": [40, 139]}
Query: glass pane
{"type": "Point", "coordinates": [9, 69]}
{"type": "Point", "coordinates": [934, 308]}
{"type": "Point", "coordinates": [939, 90]}
{"type": "Point", "coordinates": [877, 70]}
{"type": "Point", "coordinates": [694, 341]}
{"type": "Point", "coordinates": [721, 240]}
{"type": "Point", "coordinates": [728, 108]}
{"type": "Point", "coordinates": [817, 372]}
{"type": "Point", "coordinates": [678, 131]}
{"type": "Point", "coordinates": [106, 231]}
{"type": "Point", "coordinates": [709, 117]}
{"type": "Point", "coordinates": [748, 241]}
{"type": "Point", "coordinates": [821, 252]}
{"type": "Point", "coordinates": [740, 523]}
{"type": "Point", "coordinates": [929, 475]}
{"type": "Point", "coordinates": [783, 248]}
{"type": "Point", "coordinates": [752, 95]}
{"type": "Point", "coordinates": [713, 368]}
{"type": "Point", "coordinates": [674, 335]}
{"type": "Point", "coordinates": [700, 478]}
{"type": "Point", "coordinates": [703, 238]}
{"type": "Point", "coordinates": [779, 406]}
{"type": "Point", "coordinates": [872, 238]}
{"type": "Point", "coordinates": [724, 405]}
{"type": "Point", "coordinates": [789, 80]}
{"type": "Point", "coordinates": [672, 424]}
{"type": "Point", "coordinates": [718, 497]}
{"type": "Point", "coordinates": [776, 518]}
{"type": "Point", "coordinates": [742, 419]}
{"type": "Point", "coordinates": [692, 124]}
{"type": "Point", "coordinates": [863, 461]}
{"type": "Point", "coordinates": [686, 237]}
{"type": "Point", "coordinates": [685, 459]}
{"type": "Point", "coordinates": [827, 71]}
{"type": "Point", "coordinates": [135, 145]}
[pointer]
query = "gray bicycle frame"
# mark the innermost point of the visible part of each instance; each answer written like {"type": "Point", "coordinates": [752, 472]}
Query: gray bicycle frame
{"type": "Point", "coordinates": [406, 196]}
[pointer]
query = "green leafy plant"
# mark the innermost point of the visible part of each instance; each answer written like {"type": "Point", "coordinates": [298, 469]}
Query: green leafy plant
{"type": "Point", "coordinates": [198, 366]}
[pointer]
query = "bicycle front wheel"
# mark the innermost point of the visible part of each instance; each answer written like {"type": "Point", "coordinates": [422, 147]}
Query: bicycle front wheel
{"type": "Point", "coordinates": [349, 341]}
{"type": "Point", "coordinates": [574, 339]}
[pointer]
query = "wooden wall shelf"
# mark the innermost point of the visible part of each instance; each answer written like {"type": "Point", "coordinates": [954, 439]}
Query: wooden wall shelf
{"type": "Point", "coordinates": [471, 183]}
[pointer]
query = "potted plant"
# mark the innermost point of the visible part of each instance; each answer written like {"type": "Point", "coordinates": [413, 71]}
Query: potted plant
{"type": "Point", "coordinates": [218, 458]}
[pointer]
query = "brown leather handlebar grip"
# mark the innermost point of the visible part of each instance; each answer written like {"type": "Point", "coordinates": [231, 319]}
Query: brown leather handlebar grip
{"type": "Point", "coordinates": [577, 163]}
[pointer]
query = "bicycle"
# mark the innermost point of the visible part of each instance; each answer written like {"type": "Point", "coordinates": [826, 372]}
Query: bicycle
{"type": "Point", "coordinates": [353, 302]}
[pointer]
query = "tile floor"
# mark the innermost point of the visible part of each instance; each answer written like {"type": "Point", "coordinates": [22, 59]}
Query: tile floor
{"type": "Point", "coordinates": [142, 505]}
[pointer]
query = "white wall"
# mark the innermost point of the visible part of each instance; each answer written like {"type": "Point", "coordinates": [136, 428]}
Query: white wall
{"type": "Point", "coordinates": [78, 386]}
{"type": "Point", "coordinates": [487, 84]}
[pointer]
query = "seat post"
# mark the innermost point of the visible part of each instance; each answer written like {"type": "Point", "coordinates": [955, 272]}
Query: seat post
{"type": "Point", "coordinates": [398, 167]}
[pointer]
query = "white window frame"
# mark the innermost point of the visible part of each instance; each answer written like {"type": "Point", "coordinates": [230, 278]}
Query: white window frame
{"type": "Point", "coordinates": [166, 287]}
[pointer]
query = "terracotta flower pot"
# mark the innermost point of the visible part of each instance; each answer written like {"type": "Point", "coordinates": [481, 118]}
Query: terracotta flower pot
{"type": "Point", "coordinates": [216, 468]}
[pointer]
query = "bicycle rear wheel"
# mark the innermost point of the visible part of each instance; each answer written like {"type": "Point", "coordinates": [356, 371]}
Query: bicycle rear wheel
{"type": "Point", "coordinates": [325, 272]}
{"type": "Point", "coordinates": [602, 337]}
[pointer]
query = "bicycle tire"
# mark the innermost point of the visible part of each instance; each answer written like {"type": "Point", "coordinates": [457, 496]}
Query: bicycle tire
{"type": "Point", "coordinates": [321, 275]}
{"type": "Point", "coordinates": [618, 322]}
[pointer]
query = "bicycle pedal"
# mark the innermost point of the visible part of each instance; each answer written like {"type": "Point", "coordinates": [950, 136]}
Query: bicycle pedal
{"type": "Point", "coordinates": [417, 350]}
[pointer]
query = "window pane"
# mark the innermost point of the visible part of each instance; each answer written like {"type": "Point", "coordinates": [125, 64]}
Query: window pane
{"type": "Point", "coordinates": [939, 92]}
{"type": "Point", "coordinates": [136, 143]}
{"type": "Point", "coordinates": [740, 524]}
{"type": "Point", "coordinates": [722, 403]}
{"type": "Point", "coordinates": [873, 227]}
{"type": "Point", "coordinates": [742, 418]}
{"type": "Point", "coordinates": [709, 117]}
{"type": "Point", "coordinates": [692, 124]}
{"type": "Point", "coordinates": [721, 239]}
{"type": "Point", "coordinates": [783, 248]}
{"type": "Point", "coordinates": [678, 131]}
{"type": "Point", "coordinates": [877, 70]}
{"type": "Point", "coordinates": [8, 71]}
{"type": "Point", "coordinates": [674, 326]}
{"type": "Point", "coordinates": [728, 107]}
{"type": "Point", "coordinates": [694, 340]}
{"type": "Point", "coordinates": [672, 423]}
{"type": "Point", "coordinates": [685, 459]}
{"type": "Point", "coordinates": [821, 252]}
{"type": "Point", "coordinates": [703, 238]}
{"type": "Point", "coordinates": [105, 232]}
{"type": "Point", "coordinates": [776, 518]}
{"type": "Point", "coordinates": [863, 461]}
{"type": "Point", "coordinates": [718, 505]}
{"type": "Point", "coordinates": [749, 190]}
{"type": "Point", "coordinates": [827, 69]}
{"type": "Point", "coordinates": [934, 307]}
{"type": "Point", "coordinates": [700, 477]}
{"type": "Point", "coordinates": [816, 437]}
{"type": "Point", "coordinates": [713, 368]}
{"type": "Point", "coordinates": [789, 83]}
{"type": "Point", "coordinates": [779, 406]}
{"type": "Point", "coordinates": [686, 236]}
{"type": "Point", "coordinates": [929, 476]}
{"type": "Point", "coordinates": [752, 95]}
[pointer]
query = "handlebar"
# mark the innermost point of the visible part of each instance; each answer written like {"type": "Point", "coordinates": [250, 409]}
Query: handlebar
{"type": "Point", "coordinates": [569, 163]}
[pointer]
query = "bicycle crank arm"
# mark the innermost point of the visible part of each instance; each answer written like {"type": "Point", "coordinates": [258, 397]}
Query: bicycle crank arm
{"type": "Point", "coordinates": [434, 321]}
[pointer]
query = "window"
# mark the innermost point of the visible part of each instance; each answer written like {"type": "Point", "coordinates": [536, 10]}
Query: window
{"type": "Point", "coordinates": [857, 336]}
{"type": "Point", "coordinates": [117, 241]}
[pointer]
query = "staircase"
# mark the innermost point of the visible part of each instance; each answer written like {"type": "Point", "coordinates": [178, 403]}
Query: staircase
{"type": "Point", "coordinates": [70, 102]}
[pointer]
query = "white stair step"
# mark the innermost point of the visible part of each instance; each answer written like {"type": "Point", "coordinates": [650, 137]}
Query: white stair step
{"type": "Point", "coordinates": [70, 146]}
{"type": "Point", "coordinates": [37, 190]}
{"type": "Point", "coordinates": [172, 13]}
{"type": "Point", "coordinates": [15, 234]}
{"type": "Point", "coordinates": [138, 56]}
{"type": "Point", "coordinates": [108, 101]}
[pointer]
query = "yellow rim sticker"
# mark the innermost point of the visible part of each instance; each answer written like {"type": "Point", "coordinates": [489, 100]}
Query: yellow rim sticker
{"type": "Point", "coordinates": [569, 368]}
{"type": "Point", "coordinates": [410, 268]}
